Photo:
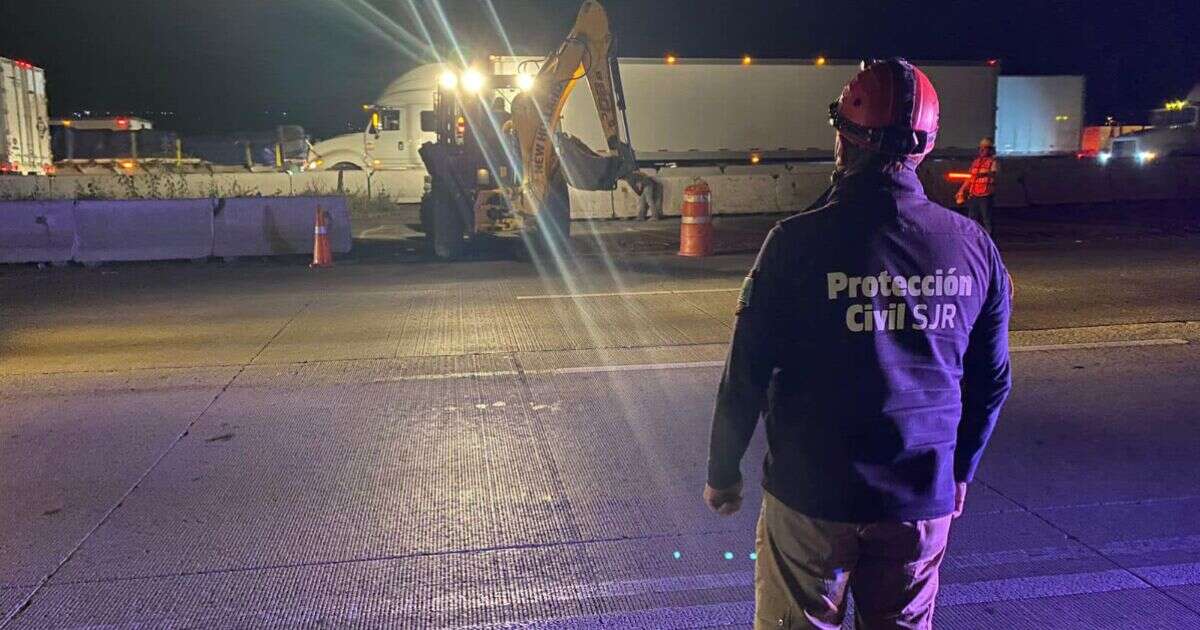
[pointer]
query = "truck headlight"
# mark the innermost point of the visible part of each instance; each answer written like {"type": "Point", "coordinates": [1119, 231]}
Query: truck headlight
{"type": "Point", "coordinates": [1146, 156]}
{"type": "Point", "coordinates": [448, 80]}
{"type": "Point", "coordinates": [472, 81]}
{"type": "Point", "coordinates": [525, 82]}
{"type": "Point", "coordinates": [1104, 157]}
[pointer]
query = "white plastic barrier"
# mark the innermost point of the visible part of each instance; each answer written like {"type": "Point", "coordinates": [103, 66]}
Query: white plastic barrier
{"type": "Point", "coordinates": [321, 183]}
{"type": "Point", "coordinates": [604, 204]}
{"type": "Point", "coordinates": [143, 229]}
{"type": "Point", "coordinates": [36, 231]}
{"type": "Point", "coordinates": [743, 194]}
{"type": "Point", "coordinates": [401, 186]}
{"type": "Point", "coordinates": [244, 184]}
{"type": "Point", "coordinates": [21, 188]}
{"type": "Point", "coordinates": [798, 189]}
{"type": "Point", "coordinates": [272, 226]}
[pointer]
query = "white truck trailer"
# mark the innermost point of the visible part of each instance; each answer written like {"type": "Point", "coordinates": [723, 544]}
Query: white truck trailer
{"type": "Point", "coordinates": [687, 111]}
{"type": "Point", "coordinates": [24, 122]}
{"type": "Point", "coordinates": [1039, 115]}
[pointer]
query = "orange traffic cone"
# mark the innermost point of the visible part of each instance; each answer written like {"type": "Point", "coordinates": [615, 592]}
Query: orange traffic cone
{"type": "Point", "coordinates": [322, 254]}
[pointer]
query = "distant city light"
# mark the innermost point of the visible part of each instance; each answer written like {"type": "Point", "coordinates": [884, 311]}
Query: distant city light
{"type": "Point", "coordinates": [747, 60]}
{"type": "Point", "coordinates": [821, 61]}
{"type": "Point", "coordinates": [671, 58]}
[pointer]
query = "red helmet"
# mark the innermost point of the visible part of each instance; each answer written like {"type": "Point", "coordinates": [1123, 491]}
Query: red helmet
{"type": "Point", "coordinates": [890, 107]}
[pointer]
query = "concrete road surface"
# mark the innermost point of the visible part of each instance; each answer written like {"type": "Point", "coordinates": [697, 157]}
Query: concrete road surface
{"type": "Point", "coordinates": [498, 444]}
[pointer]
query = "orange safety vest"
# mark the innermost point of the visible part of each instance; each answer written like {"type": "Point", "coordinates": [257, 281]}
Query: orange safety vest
{"type": "Point", "coordinates": [983, 180]}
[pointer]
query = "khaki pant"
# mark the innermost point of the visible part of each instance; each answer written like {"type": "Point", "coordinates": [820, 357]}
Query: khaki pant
{"type": "Point", "coordinates": [805, 566]}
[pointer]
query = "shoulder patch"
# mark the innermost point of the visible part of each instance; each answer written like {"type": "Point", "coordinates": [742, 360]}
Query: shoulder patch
{"type": "Point", "coordinates": [745, 294]}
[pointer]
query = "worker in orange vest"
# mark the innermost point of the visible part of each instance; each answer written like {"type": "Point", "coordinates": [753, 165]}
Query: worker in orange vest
{"type": "Point", "coordinates": [979, 189]}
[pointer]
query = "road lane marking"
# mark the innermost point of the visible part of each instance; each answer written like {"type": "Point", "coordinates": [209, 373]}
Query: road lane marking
{"type": "Point", "coordinates": [1009, 589]}
{"type": "Point", "coordinates": [1093, 345]}
{"type": "Point", "coordinates": [1170, 575]}
{"type": "Point", "coordinates": [594, 369]}
{"type": "Point", "coordinates": [575, 296]}
{"type": "Point", "coordinates": [951, 594]}
{"type": "Point", "coordinates": [683, 365]}
{"type": "Point", "coordinates": [587, 369]}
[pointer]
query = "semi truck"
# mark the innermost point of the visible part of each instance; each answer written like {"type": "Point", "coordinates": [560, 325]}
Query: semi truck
{"type": "Point", "coordinates": [684, 111]}
{"type": "Point", "coordinates": [1039, 115]}
{"type": "Point", "coordinates": [1174, 130]}
{"type": "Point", "coordinates": [24, 122]}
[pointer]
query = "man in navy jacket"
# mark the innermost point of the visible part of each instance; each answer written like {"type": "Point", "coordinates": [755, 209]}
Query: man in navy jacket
{"type": "Point", "coordinates": [872, 335]}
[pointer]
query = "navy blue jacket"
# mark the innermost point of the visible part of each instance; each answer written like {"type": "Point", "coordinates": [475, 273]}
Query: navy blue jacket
{"type": "Point", "coordinates": [873, 333]}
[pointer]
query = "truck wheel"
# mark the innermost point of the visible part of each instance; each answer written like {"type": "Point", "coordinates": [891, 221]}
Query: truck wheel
{"type": "Point", "coordinates": [447, 225]}
{"type": "Point", "coordinates": [427, 213]}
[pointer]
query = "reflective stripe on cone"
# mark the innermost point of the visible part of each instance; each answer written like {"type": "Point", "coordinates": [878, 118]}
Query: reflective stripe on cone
{"type": "Point", "coordinates": [322, 252]}
{"type": "Point", "coordinates": [695, 226]}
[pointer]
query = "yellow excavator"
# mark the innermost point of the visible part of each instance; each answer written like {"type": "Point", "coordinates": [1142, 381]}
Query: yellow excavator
{"type": "Point", "coordinates": [500, 165]}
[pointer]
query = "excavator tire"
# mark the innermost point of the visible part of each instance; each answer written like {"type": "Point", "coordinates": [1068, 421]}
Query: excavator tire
{"type": "Point", "coordinates": [447, 235]}
{"type": "Point", "coordinates": [427, 213]}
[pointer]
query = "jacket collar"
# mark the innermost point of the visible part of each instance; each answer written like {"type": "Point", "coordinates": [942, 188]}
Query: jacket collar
{"type": "Point", "coordinates": [902, 183]}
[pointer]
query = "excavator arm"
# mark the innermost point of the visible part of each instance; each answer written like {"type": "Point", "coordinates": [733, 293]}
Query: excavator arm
{"type": "Point", "coordinates": [550, 157]}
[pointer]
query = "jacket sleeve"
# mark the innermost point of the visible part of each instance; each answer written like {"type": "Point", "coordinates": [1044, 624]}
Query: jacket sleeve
{"type": "Point", "coordinates": [742, 395]}
{"type": "Point", "coordinates": [987, 377]}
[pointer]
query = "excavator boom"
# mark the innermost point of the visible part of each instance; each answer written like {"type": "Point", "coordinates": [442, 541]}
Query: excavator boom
{"type": "Point", "coordinates": [548, 155]}
{"type": "Point", "coordinates": [480, 183]}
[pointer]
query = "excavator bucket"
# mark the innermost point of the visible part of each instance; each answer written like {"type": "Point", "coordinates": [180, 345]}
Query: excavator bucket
{"type": "Point", "coordinates": [587, 170]}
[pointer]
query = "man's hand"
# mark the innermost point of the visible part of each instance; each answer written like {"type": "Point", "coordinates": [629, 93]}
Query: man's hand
{"type": "Point", "coordinates": [725, 501]}
{"type": "Point", "coordinates": [960, 498]}
{"type": "Point", "coordinates": [960, 198]}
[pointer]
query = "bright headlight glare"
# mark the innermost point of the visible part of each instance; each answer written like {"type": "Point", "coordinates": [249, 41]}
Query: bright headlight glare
{"type": "Point", "coordinates": [448, 80]}
{"type": "Point", "coordinates": [525, 82]}
{"type": "Point", "coordinates": [472, 80]}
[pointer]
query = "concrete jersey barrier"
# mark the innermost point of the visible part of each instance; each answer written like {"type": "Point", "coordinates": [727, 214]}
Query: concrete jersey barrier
{"type": "Point", "coordinates": [272, 226]}
{"type": "Point", "coordinates": [143, 229]}
{"type": "Point", "coordinates": [37, 231]}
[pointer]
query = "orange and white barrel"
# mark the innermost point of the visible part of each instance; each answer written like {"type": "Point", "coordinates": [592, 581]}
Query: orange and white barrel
{"type": "Point", "coordinates": [695, 226]}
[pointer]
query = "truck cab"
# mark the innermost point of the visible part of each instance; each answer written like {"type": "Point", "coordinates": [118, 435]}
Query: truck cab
{"type": "Point", "coordinates": [1174, 130]}
{"type": "Point", "coordinates": [391, 132]}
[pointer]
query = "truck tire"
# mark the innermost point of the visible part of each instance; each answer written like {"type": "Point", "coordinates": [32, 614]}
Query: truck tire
{"type": "Point", "coordinates": [447, 235]}
{"type": "Point", "coordinates": [427, 213]}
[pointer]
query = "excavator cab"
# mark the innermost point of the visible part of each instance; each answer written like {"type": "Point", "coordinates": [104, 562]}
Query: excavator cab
{"type": "Point", "coordinates": [474, 159]}
{"type": "Point", "coordinates": [500, 164]}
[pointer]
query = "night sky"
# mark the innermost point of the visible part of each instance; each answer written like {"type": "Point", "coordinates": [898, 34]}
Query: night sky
{"type": "Point", "coordinates": [223, 65]}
